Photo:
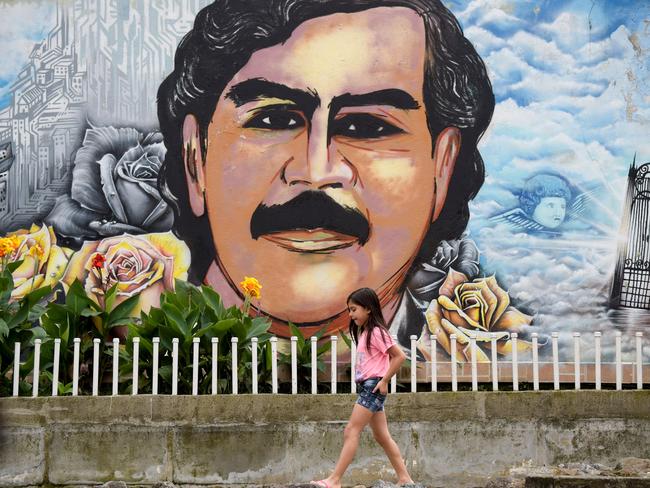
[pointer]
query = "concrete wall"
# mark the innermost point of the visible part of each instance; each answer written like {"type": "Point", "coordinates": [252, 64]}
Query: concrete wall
{"type": "Point", "coordinates": [448, 439]}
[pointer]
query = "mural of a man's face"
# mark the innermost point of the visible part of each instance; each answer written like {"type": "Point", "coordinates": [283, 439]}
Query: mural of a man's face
{"type": "Point", "coordinates": [550, 212]}
{"type": "Point", "coordinates": [320, 174]}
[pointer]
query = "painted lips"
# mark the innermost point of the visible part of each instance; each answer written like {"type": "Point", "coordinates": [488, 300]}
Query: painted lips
{"type": "Point", "coordinates": [314, 241]}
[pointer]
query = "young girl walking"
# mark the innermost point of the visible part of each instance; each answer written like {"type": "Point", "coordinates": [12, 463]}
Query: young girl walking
{"type": "Point", "coordinates": [378, 359]}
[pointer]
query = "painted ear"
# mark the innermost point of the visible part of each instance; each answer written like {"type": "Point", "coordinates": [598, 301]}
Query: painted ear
{"type": "Point", "coordinates": [193, 164]}
{"type": "Point", "coordinates": [444, 158]}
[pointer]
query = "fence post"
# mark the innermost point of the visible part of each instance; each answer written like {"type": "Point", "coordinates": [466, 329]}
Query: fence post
{"type": "Point", "coordinates": [136, 360]}
{"type": "Point", "coordinates": [37, 366]}
{"type": "Point", "coordinates": [434, 363]}
{"type": "Point", "coordinates": [294, 365]}
{"type": "Point", "coordinates": [96, 366]}
{"type": "Point", "coordinates": [314, 367]}
{"type": "Point", "coordinates": [515, 365]}
{"type": "Point", "coordinates": [215, 364]}
{"type": "Point", "coordinates": [414, 364]}
{"type": "Point", "coordinates": [116, 360]}
{"type": "Point", "coordinates": [597, 336]}
{"type": "Point", "coordinates": [619, 365]}
{"type": "Point", "coordinates": [472, 345]}
{"type": "Point", "coordinates": [535, 362]}
{"type": "Point", "coordinates": [154, 372]}
{"type": "Point", "coordinates": [234, 365]}
{"type": "Point", "coordinates": [576, 360]}
{"type": "Point", "coordinates": [639, 361]}
{"type": "Point", "coordinates": [55, 372]}
{"type": "Point", "coordinates": [75, 366]}
{"type": "Point", "coordinates": [333, 356]}
{"type": "Point", "coordinates": [16, 374]}
{"type": "Point", "coordinates": [353, 366]}
{"type": "Point", "coordinates": [254, 341]}
{"type": "Point", "coordinates": [393, 380]}
{"type": "Point", "coordinates": [274, 364]}
{"type": "Point", "coordinates": [195, 365]}
{"type": "Point", "coordinates": [175, 366]}
{"type": "Point", "coordinates": [556, 363]}
{"type": "Point", "coordinates": [454, 373]}
{"type": "Point", "coordinates": [495, 364]}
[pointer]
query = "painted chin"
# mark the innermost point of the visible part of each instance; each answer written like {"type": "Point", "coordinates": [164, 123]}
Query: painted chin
{"type": "Point", "coordinates": [316, 241]}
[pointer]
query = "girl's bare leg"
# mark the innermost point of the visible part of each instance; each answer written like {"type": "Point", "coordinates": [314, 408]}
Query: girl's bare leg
{"type": "Point", "coordinates": [358, 420]}
{"type": "Point", "coordinates": [382, 436]}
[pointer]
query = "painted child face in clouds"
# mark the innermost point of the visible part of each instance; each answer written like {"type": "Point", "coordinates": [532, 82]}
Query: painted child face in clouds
{"type": "Point", "coordinates": [550, 212]}
{"type": "Point", "coordinates": [319, 175]}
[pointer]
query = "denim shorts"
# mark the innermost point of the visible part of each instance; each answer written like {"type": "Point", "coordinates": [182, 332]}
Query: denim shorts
{"type": "Point", "coordinates": [372, 401]}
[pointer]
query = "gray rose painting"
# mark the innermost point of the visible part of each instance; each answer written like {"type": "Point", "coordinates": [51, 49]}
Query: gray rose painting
{"type": "Point", "coordinates": [114, 187]}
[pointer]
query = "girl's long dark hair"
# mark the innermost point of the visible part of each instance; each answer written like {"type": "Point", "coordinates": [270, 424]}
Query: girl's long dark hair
{"type": "Point", "coordinates": [368, 299]}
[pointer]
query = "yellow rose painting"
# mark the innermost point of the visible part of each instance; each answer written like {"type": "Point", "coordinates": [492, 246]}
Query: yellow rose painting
{"type": "Point", "coordinates": [43, 261]}
{"type": "Point", "coordinates": [479, 307]}
{"type": "Point", "coordinates": [146, 265]}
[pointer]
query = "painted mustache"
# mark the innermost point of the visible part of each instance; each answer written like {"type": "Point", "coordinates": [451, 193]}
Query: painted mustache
{"type": "Point", "coordinates": [308, 211]}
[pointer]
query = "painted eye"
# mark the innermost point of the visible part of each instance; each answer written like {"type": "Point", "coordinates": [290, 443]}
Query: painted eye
{"type": "Point", "coordinates": [364, 126]}
{"type": "Point", "coordinates": [276, 120]}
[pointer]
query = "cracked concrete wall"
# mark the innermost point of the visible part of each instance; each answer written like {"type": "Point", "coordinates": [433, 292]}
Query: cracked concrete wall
{"type": "Point", "coordinates": [449, 439]}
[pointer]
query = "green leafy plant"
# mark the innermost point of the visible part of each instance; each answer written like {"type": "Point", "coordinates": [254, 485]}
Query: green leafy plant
{"type": "Point", "coordinates": [16, 322]}
{"type": "Point", "coordinates": [348, 341]}
{"type": "Point", "coordinates": [190, 312]}
{"type": "Point", "coordinates": [79, 316]}
{"type": "Point", "coordinates": [303, 356]}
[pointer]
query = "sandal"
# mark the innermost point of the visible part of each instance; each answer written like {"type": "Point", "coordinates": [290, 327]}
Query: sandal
{"type": "Point", "coordinates": [321, 483]}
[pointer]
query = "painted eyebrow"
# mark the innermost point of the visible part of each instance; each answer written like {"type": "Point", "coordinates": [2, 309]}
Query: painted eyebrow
{"type": "Point", "coordinates": [391, 96]}
{"type": "Point", "coordinates": [256, 89]}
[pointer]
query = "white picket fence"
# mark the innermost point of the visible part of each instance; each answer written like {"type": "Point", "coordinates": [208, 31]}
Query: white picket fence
{"type": "Point", "coordinates": [432, 366]}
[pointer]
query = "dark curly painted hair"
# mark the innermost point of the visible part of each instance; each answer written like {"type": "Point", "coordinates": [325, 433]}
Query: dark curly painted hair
{"type": "Point", "coordinates": [457, 92]}
{"type": "Point", "coordinates": [541, 186]}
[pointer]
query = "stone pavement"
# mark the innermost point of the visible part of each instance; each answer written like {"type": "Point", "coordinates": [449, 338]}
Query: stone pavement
{"type": "Point", "coordinates": [628, 473]}
{"type": "Point", "coordinates": [121, 484]}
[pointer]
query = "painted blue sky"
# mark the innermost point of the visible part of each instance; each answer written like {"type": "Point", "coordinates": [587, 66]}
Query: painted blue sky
{"type": "Point", "coordinates": [571, 85]}
{"type": "Point", "coordinates": [572, 93]}
{"type": "Point", "coordinates": [23, 25]}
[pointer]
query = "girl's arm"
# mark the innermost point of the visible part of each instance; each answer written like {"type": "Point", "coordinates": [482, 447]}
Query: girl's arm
{"type": "Point", "coordinates": [397, 357]}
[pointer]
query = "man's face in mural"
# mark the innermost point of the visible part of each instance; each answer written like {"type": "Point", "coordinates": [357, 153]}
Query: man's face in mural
{"type": "Point", "coordinates": [550, 212]}
{"type": "Point", "coordinates": [320, 175]}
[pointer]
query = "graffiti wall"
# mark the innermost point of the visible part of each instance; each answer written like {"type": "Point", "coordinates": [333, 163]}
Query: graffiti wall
{"type": "Point", "coordinates": [482, 164]}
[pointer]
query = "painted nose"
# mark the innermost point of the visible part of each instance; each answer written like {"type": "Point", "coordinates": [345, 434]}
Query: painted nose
{"type": "Point", "coordinates": [321, 166]}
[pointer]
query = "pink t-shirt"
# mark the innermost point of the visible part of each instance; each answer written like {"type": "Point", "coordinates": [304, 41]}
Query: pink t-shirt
{"type": "Point", "coordinates": [375, 363]}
